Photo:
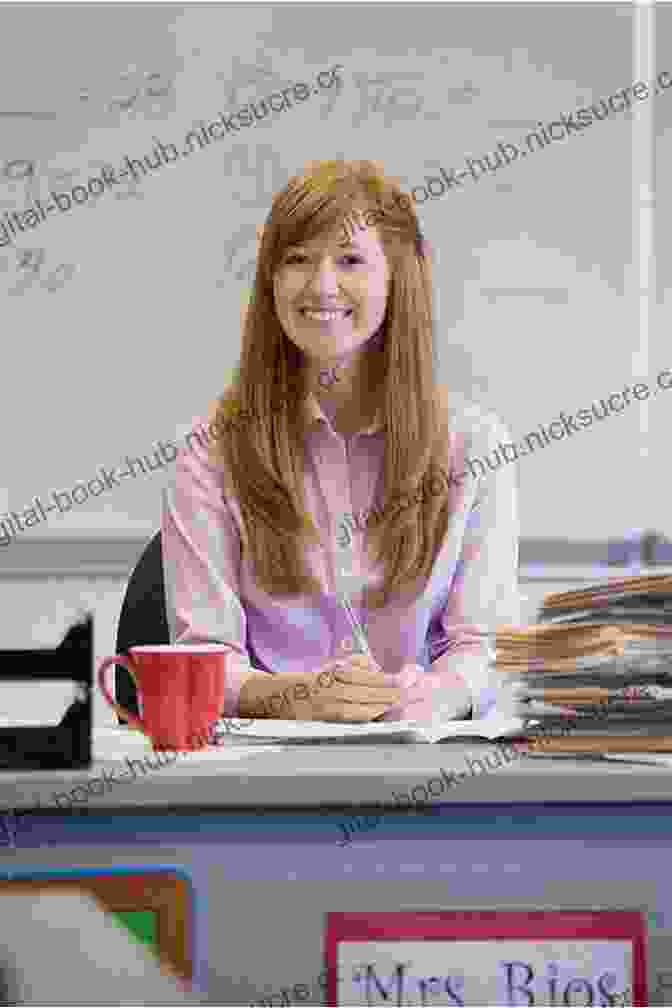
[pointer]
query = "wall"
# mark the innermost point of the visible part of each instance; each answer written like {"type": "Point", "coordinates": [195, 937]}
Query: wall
{"type": "Point", "coordinates": [123, 313]}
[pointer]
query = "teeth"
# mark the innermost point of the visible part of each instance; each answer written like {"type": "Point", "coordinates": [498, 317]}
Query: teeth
{"type": "Point", "coordinates": [325, 316]}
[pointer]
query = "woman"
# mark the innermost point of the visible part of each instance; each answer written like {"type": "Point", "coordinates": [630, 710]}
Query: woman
{"type": "Point", "coordinates": [253, 523]}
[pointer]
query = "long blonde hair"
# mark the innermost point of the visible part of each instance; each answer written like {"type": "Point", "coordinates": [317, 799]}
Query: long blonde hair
{"type": "Point", "coordinates": [264, 458]}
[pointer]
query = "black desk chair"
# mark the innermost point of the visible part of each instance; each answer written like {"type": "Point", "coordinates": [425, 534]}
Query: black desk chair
{"type": "Point", "coordinates": [142, 619]}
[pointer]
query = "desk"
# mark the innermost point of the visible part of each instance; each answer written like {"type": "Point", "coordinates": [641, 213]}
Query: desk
{"type": "Point", "coordinates": [260, 839]}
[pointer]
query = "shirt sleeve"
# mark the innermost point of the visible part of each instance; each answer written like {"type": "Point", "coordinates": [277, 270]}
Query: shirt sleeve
{"type": "Point", "coordinates": [484, 591]}
{"type": "Point", "coordinates": [201, 550]}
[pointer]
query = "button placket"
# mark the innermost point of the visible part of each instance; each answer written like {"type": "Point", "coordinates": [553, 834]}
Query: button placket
{"type": "Point", "coordinates": [347, 645]}
{"type": "Point", "coordinates": [341, 561]}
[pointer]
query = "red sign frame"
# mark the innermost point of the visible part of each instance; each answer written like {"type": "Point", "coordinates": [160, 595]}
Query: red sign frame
{"type": "Point", "coordinates": [489, 925]}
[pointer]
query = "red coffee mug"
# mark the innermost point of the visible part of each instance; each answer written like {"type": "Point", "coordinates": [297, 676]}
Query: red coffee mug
{"type": "Point", "coordinates": [180, 692]}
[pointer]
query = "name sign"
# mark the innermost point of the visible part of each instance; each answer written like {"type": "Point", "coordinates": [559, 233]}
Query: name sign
{"type": "Point", "coordinates": [487, 957]}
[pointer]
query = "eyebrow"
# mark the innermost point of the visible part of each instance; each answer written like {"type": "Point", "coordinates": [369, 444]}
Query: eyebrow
{"type": "Point", "coordinates": [343, 245]}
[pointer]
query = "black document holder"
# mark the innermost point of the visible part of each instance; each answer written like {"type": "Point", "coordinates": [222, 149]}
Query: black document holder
{"type": "Point", "coordinates": [67, 744]}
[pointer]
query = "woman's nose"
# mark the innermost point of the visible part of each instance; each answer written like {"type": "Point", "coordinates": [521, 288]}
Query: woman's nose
{"type": "Point", "coordinates": [324, 279]}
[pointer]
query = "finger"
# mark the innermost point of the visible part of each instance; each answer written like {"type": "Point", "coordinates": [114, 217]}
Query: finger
{"type": "Point", "coordinates": [352, 660]}
{"type": "Point", "coordinates": [373, 694]}
{"type": "Point", "coordinates": [362, 694]}
{"type": "Point", "coordinates": [362, 660]}
{"type": "Point", "coordinates": [408, 676]}
{"type": "Point", "coordinates": [371, 688]}
{"type": "Point", "coordinates": [416, 713]}
{"type": "Point", "coordinates": [356, 713]}
{"type": "Point", "coordinates": [396, 714]}
{"type": "Point", "coordinates": [365, 678]}
{"type": "Point", "coordinates": [409, 712]}
{"type": "Point", "coordinates": [361, 670]}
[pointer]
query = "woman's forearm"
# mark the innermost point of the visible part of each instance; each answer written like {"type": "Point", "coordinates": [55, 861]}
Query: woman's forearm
{"type": "Point", "coordinates": [270, 695]}
{"type": "Point", "coordinates": [277, 696]}
{"type": "Point", "coordinates": [308, 696]}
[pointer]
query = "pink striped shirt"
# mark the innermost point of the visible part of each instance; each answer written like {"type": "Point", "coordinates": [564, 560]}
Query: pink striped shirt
{"type": "Point", "coordinates": [211, 595]}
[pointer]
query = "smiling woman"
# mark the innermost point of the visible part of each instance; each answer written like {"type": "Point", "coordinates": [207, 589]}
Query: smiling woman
{"type": "Point", "coordinates": [243, 566]}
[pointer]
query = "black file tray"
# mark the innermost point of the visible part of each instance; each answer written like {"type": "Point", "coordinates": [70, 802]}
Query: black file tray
{"type": "Point", "coordinates": [67, 744]}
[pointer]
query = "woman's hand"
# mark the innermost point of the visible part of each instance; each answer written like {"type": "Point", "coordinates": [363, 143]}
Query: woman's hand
{"type": "Point", "coordinates": [352, 689]}
{"type": "Point", "coordinates": [426, 695]}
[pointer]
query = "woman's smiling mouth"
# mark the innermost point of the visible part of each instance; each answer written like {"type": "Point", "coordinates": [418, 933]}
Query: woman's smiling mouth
{"type": "Point", "coordinates": [331, 315]}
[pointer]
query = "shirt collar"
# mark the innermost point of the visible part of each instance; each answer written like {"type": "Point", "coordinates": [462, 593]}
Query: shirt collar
{"type": "Point", "coordinates": [315, 415]}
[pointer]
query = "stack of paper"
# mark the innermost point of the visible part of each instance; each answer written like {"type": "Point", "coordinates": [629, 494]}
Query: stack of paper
{"type": "Point", "coordinates": [641, 599]}
{"type": "Point", "coordinates": [596, 671]}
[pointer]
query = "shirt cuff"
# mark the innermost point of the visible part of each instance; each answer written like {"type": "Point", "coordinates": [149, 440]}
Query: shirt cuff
{"type": "Point", "coordinates": [237, 670]}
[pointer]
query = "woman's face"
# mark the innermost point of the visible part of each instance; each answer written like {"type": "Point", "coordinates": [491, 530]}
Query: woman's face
{"type": "Point", "coordinates": [346, 277]}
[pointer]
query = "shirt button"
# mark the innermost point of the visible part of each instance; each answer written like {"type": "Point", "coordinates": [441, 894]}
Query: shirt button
{"type": "Point", "coordinates": [347, 644]}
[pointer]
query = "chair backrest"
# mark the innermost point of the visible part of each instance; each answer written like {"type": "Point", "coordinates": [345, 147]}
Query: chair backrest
{"type": "Point", "coordinates": [142, 619]}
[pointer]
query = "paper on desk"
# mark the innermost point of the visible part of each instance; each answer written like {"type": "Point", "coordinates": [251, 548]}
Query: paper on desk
{"type": "Point", "coordinates": [657, 758]}
{"type": "Point", "coordinates": [494, 725]}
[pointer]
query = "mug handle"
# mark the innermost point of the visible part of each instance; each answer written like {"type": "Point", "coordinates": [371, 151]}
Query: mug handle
{"type": "Point", "coordinates": [133, 720]}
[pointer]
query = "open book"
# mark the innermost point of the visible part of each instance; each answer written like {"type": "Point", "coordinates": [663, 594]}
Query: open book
{"type": "Point", "coordinates": [494, 725]}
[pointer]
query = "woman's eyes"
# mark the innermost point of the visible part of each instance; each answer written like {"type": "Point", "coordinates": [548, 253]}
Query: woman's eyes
{"type": "Point", "coordinates": [356, 260]}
